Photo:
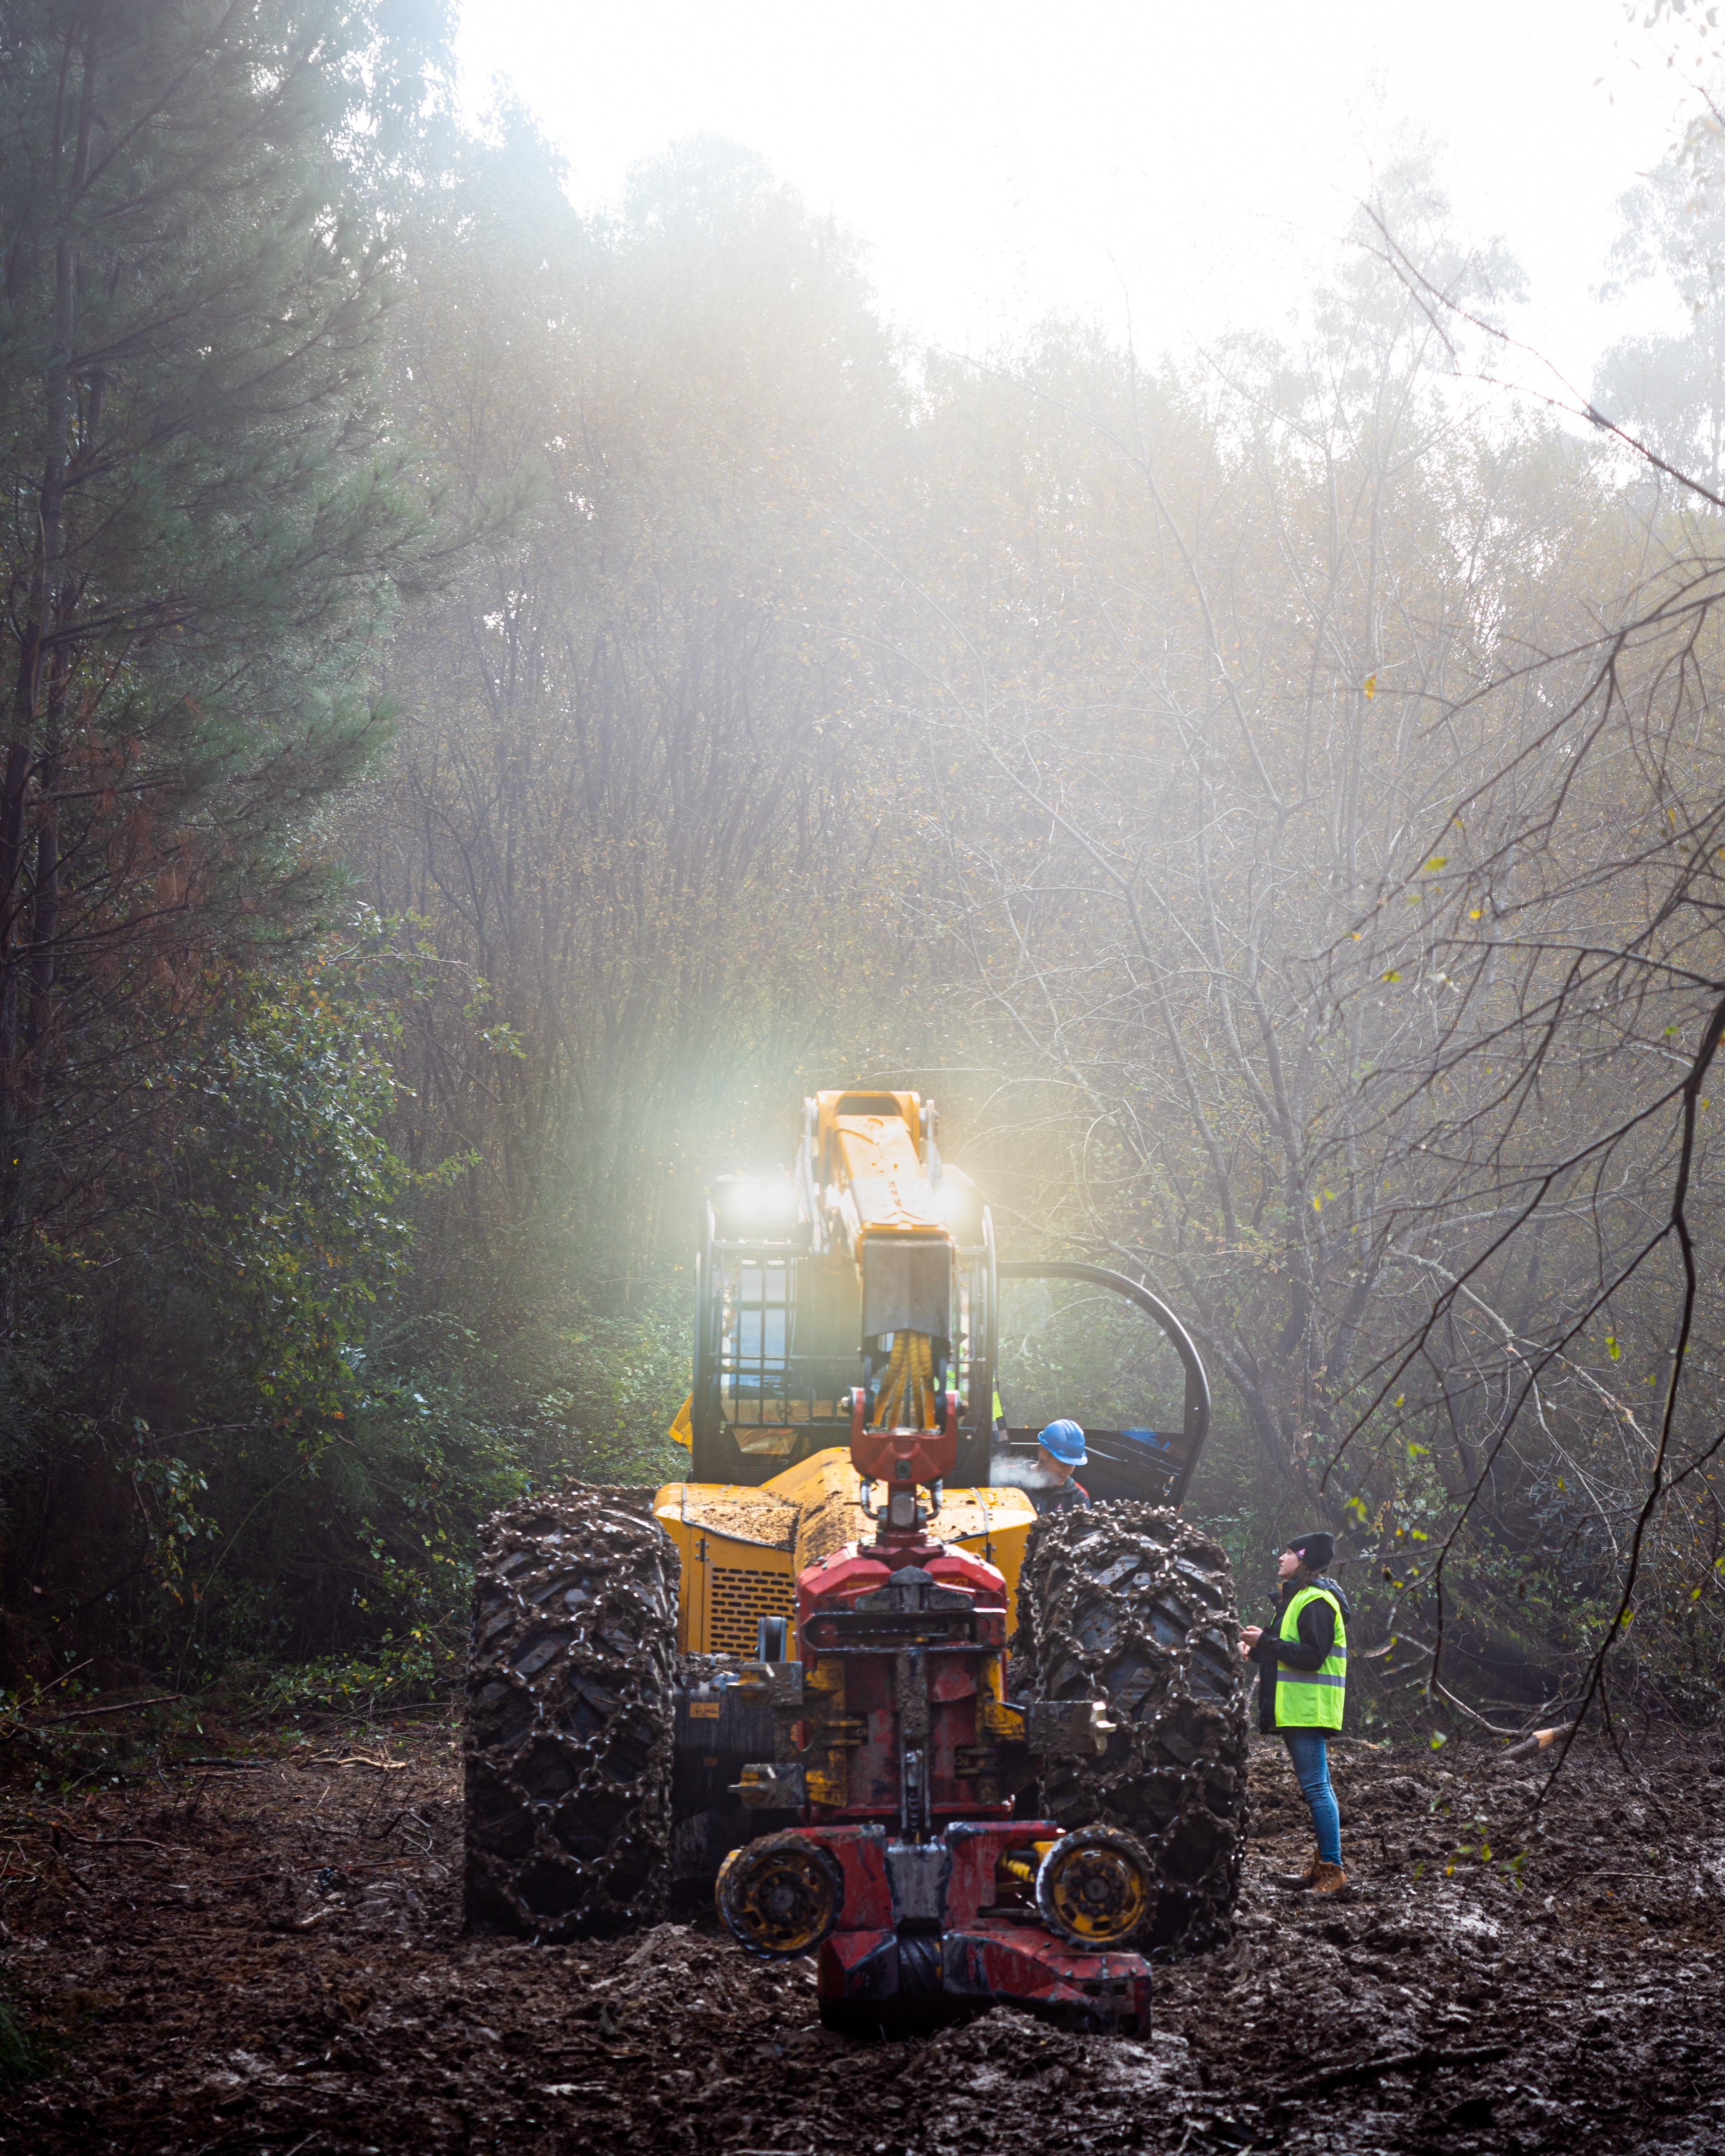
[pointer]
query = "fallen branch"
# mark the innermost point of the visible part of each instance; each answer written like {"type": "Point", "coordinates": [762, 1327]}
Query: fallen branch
{"type": "Point", "coordinates": [1545, 1737]}
{"type": "Point", "coordinates": [53, 1720]}
{"type": "Point", "coordinates": [1462, 1707]}
{"type": "Point", "coordinates": [115, 1706]}
{"type": "Point", "coordinates": [1542, 1740]}
{"type": "Point", "coordinates": [302, 1923]}
{"type": "Point", "coordinates": [102, 1841]}
{"type": "Point", "coordinates": [301, 1870]}
{"type": "Point", "coordinates": [1390, 2062]}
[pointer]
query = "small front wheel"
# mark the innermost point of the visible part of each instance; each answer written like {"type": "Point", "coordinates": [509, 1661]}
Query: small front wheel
{"type": "Point", "coordinates": [1096, 1889]}
{"type": "Point", "coordinates": [780, 1896]}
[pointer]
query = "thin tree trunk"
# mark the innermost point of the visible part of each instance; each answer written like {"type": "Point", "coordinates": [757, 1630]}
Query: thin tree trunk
{"type": "Point", "coordinates": [21, 1088]}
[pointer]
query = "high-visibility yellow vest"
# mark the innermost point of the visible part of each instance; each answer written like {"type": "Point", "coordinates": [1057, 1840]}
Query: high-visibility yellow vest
{"type": "Point", "coordinates": [1312, 1699]}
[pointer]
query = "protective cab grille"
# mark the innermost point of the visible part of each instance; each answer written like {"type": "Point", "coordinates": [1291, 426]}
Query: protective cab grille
{"type": "Point", "coordinates": [737, 1600]}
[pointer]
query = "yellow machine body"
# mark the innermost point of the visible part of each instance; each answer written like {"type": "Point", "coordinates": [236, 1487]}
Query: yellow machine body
{"type": "Point", "coordinates": [859, 1271]}
{"type": "Point", "coordinates": [743, 1546]}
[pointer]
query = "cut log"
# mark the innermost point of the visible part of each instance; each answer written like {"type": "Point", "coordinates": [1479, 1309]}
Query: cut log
{"type": "Point", "coordinates": [1542, 1740]}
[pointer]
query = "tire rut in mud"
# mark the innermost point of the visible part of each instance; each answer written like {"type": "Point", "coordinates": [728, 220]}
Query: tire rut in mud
{"type": "Point", "coordinates": [568, 1746]}
{"type": "Point", "coordinates": [1132, 1602]}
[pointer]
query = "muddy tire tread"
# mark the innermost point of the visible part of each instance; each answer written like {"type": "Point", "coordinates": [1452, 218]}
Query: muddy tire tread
{"type": "Point", "coordinates": [1133, 1603]}
{"type": "Point", "coordinates": [568, 1744]}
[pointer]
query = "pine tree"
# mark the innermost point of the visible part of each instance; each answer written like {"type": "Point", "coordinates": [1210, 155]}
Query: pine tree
{"type": "Point", "coordinates": [209, 519]}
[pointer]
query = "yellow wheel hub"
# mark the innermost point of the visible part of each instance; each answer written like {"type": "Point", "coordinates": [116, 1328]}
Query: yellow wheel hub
{"type": "Point", "coordinates": [780, 1896]}
{"type": "Point", "coordinates": [1096, 1887]}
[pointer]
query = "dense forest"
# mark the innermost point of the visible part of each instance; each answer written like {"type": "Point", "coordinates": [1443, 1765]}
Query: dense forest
{"type": "Point", "coordinates": [501, 703]}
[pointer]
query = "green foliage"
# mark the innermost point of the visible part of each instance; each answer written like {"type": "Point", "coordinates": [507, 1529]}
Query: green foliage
{"type": "Point", "coordinates": [295, 1462]}
{"type": "Point", "coordinates": [287, 1214]}
{"type": "Point", "coordinates": [167, 1493]}
{"type": "Point", "coordinates": [595, 1396]}
{"type": "Point", "coordinates": [26, 2052]}
{"type": "Point", "coordinates": [218, 1441]}
{"type": "Point", "coordinates": [426, 1665]}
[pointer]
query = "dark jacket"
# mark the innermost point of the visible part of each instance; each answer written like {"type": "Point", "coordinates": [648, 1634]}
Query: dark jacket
{"type": "Point", "coordinates": [1317, 1635]}
{"type": "Point", "coordinates": [1063, 1497]}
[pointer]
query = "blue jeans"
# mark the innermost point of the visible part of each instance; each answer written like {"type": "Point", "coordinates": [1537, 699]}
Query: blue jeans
{"type": "Point", "coordinates": [1312, 1770]}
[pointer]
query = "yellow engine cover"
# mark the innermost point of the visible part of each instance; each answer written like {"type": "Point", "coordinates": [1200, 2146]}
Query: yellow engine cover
{"type": "Point", "coordinates": [742, 1549]}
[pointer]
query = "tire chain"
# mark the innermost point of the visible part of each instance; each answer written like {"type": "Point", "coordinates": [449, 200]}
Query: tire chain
{"type": "Point", "coordinates": [1130, 1602]}
{"type": "Point", "coordinates": [567, 1750]}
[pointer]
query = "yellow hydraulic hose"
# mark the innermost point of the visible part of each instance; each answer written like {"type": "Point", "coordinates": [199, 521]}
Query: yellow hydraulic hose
{"type": "Point", "coordinates": [907, 1396]}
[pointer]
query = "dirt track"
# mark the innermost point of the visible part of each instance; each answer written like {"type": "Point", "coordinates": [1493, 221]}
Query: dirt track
{"type": "Point", "coordinates": [267, 1958]}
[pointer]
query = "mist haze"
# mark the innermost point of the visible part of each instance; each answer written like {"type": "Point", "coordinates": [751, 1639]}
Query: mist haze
{"type": "Point", "coordinates": [576, 578]}
{"type": "Point", "coordinates": [1145, 164]}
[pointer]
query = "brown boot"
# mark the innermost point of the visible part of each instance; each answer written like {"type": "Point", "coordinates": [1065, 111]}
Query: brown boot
{"type": "Point", "coordinates": [1330, 1879]}
{"type": "Point", "coordinates": [1297, 1882]}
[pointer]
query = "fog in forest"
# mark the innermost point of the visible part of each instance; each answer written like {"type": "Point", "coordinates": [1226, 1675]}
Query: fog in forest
{"type": "Point", "coordinates": [516, 677]}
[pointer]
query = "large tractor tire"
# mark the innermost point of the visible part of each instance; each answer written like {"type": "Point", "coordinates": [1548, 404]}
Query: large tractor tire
{"type": "Point", "coordinates": [1129, 1603]}
{"type": "Point", "coordinates": [569, 1718]}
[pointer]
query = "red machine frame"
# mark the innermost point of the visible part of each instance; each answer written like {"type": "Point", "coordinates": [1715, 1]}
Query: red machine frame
{"type": "Point", "coordinates": [898, 1742]}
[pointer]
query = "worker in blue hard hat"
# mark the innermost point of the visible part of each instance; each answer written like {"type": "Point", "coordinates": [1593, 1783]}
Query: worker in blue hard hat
{"type": "Point", "coordinates": [1060, 1449]}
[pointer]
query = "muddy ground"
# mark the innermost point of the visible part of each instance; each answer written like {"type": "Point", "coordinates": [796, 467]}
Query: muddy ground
{"type": "Point", "coordinates": [266, 1956]}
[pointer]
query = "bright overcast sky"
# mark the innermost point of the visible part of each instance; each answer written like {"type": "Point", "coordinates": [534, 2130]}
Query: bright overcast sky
{"type": "Point", "coordinates": [1002, 160]}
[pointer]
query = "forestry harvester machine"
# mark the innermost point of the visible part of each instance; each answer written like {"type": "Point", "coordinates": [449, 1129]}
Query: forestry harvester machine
{"type": "Point", "coordinates": [787, 1679]}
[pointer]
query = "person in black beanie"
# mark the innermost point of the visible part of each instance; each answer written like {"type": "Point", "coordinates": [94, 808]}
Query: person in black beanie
{"type": "Point", "coordinates": [1302, 1689]}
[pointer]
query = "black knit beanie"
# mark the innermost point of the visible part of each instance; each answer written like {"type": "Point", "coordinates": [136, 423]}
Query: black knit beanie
{"type": "Point", "coordinates": [1314, 1550]}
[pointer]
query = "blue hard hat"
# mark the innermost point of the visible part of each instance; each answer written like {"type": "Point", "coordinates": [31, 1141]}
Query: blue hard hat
{"type": "Point", "coordinates": [1065, 1441]}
